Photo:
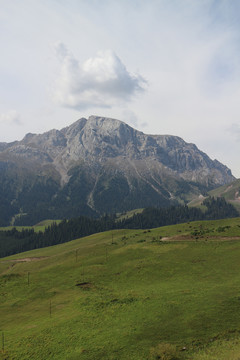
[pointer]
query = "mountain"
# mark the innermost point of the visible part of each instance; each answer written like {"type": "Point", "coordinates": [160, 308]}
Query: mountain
{"type": "Point", "coordinates": [100, 165]}
{"type": "Point", "coordinates": [230, 192]}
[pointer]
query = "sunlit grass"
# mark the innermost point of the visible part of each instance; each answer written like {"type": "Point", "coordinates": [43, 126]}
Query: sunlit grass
{"type": "Point", "coordinates": [126, 294]}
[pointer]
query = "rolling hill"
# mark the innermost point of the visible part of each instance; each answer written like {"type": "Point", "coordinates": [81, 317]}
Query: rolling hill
{"type": "Point", "coordinates": [230, 192]}
{"type": "Point", "coordinates": [172, 290]}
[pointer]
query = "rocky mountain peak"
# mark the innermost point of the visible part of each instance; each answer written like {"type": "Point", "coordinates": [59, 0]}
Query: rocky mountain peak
{"type": "Point", "coordinates": [74, 129]}
{"type": "Point", "coordinates": [100, 140]}
{"type": "Point", "coordinates": [101, 165]}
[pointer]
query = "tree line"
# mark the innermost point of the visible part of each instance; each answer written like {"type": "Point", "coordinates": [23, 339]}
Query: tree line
{"type": "Point", "coordinates": [14, 241]}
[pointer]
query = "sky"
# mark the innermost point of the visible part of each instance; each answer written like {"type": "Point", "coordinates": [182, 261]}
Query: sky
{"type": "Point", "coordinates": [161, 66]}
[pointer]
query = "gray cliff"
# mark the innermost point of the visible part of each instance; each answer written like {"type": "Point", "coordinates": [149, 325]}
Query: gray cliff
{"type": "Point", "coordinates": [103, 165]}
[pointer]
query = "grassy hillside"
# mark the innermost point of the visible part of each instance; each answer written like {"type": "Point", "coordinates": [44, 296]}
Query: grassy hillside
{"type": "Point", "coordinates": [38, 227]}
{"type": "Point", "coordinates": [129, 214]}
{"type": "Point", "coordinates": [197, 202]}
{"type": "Point", "coordinates": [126, 294]}
{"type": "Point", "coordinates": [231, 192]}
{"type": "Point", "coordinates": [228, 191]}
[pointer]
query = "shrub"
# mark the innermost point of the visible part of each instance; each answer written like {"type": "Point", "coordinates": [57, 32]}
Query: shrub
{"type": "Point", "coordinates": [141, 240]}
{"type": "Point", "coordinates": [164, 351]}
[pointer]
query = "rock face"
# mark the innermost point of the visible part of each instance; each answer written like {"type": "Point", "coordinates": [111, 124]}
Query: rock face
{"type": "Point", "coordinates": [102, 165]}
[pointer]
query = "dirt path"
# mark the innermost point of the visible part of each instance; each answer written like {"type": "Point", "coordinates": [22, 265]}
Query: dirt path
{"type": "Point", "coordinates": [192, 238]}
{"type": "Point", "coordinates": [27, 259]}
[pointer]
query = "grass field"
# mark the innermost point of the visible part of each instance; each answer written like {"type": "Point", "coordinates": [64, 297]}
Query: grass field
{"type": "Point", "coordinates": [38, 227]}
{"type": "Point", "coordinates": [129, 214]}
{"type": "Point", "coordinates": [167, 293]}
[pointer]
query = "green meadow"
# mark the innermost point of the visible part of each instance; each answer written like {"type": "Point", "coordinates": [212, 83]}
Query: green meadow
{"type": "Point", "coordinates": [38, 227]}
{"type": "Point", "coordinates": [168, 293]}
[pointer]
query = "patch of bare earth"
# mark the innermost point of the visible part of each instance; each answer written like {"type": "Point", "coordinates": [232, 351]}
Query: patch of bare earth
{"type": "Point", "coordinates": [193, 238]}
{"type": "Point", "coordinates": [226, 190]}
{"type": "Point", "coordinates": [178, 238]}
{"type": "Point", "coordinates": [27, 259]}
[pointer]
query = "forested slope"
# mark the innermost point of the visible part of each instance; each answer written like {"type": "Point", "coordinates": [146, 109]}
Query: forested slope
{"type": "Point", "coordinates": [14, 241]}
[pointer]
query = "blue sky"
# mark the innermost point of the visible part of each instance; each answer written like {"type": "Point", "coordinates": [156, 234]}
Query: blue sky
{"type": "Point", "coordinates": [162, 66]}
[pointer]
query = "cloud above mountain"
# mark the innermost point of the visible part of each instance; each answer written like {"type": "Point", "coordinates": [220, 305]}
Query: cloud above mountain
{"type": "Point", "coordinates": [234, 130]}
{"type": "Point", "coordinates": [100, 81]}
{"type": "Point", "coordinates": [10, 117]}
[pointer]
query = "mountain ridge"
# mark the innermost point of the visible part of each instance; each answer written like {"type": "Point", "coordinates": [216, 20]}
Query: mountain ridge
{"type": "Point", "coordinates": [104, 165]}
{"type": "Point", "coordinates": [79, 140]}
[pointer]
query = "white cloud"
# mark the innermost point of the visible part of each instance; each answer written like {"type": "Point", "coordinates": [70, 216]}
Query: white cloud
{"type": "Point", "coordinates": [234, 130]}
{"type": "Point", "coordinates": [101, 81]}
{"type": "Point", "coordinates": [10, 117]}
{"type": "Point", "coordinates": [61, 51]}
